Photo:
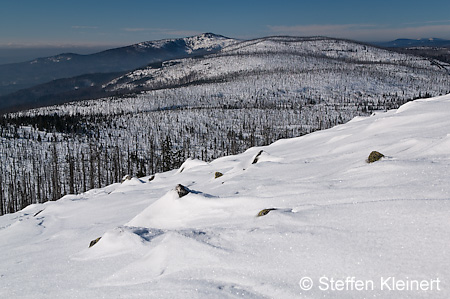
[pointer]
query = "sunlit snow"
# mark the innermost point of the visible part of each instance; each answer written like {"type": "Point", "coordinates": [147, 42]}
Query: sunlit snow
{"type": "Point", "coordinates": [335, 216]}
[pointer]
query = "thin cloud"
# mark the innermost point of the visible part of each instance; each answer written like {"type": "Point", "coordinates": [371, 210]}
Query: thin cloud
{"type": "Point", "coordinates": [428, 22]}
{"type": "Point", "coordinates": [137, 29]}
{"type": "Point", "coordinates": [84, 27]}
{"type": "Point", "coordinates": [364, 32]}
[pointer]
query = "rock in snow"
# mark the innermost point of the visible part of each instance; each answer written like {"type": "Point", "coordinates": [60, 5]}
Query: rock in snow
{"type": "Point", "coordinates": [264, 212]}
{"type": "Point", "coordinates": [181, 190]}
{"type": "Point", "coordinates": [374, 156]}
{"type": "Point", "coordinates": [343, 228]}
{"type": "Point", "coordinates": [93, 242]}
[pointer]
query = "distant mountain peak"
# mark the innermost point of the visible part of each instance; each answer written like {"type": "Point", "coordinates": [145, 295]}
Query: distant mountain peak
{"type": "Point", "coordinates": [206, 41]}
{"type": "Point", "coordinates": [212, 35]}
{"type": "Point", "coordinates": [19, 76]}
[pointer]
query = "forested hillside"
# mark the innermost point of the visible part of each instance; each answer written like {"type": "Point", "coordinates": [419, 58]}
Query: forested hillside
{"type": "Point", "coordinates": [250, 93]}
{"type": "Point", "coordinates": [33, 83]}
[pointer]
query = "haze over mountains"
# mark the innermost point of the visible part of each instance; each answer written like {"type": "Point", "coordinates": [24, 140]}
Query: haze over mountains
{"type": "Point", "coordinates": [421, 42]}
{"type": "Point", "coordinates": [67, 77]}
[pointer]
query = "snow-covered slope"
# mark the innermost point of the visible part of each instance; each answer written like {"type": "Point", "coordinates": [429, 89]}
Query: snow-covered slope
{"type": "Point", "coordinates": [17, 76]}
{"type": "Point", "coordinates": [381, 229]}
{"type": "Point", "coordinates": [293, 61]}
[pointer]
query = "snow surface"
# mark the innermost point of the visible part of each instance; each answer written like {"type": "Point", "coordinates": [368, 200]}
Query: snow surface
{"type": "Point", "coordinates": [336, 217]}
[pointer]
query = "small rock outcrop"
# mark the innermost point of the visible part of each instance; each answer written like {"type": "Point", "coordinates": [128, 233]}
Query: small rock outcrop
{"type": "Point", "coordinates": [265, 212]}
{"type": "Point", "coordinates": [255, 160]}
{"type": "Point", "coordinates": [182, 190]}
{"type": "Point", "coordinates": [218, 174]}
{"type": "Point", "coordinates": [93, 242]}
{"type": "Point", "coordinates": [374, 156]}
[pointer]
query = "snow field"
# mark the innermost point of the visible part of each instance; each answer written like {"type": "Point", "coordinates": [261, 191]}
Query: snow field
{"type": "Point", "coordinates": [336, 217]}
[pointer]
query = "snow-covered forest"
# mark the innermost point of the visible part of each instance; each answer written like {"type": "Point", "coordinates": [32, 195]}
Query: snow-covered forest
{"type": "Point", "coordinates": [302, 209]}
{"type": "Point", "coordinates": [249, 94]}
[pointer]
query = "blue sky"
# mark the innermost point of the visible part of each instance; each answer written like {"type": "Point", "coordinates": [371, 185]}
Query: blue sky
{"type": "Point", "coordinates": [98, 22]}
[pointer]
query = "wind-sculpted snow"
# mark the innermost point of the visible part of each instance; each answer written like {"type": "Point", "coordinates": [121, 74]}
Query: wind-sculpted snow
{"type": "Point", "coordinates": [333, 217]}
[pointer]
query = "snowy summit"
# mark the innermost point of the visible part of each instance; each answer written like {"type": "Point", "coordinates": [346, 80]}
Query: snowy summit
{"type": "Point", "coordinates": [330, 224]}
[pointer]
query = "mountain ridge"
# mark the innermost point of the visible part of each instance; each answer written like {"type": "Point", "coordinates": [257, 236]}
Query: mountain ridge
{"type": "Point", "coordinates": [18, 76]}
{"type": "Point", "coordinates": [196, 46]}
{"type": "Point", "coordinates": [331, 49]}
{"type": "Point", "coordinates": [421, 42]}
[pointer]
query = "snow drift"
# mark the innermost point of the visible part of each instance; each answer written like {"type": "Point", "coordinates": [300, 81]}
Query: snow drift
{"type": "Point", "coordinates": [334, 218]}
